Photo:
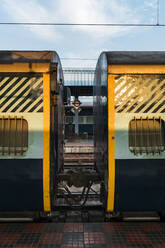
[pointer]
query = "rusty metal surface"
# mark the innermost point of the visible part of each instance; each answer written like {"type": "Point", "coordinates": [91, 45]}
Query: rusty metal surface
{"type": "Point", "coordinates": [13, 135]}
{"type": "Point", "coordinates": [146, 135]}
{"type": "Point", "coordinates": [25, 56]}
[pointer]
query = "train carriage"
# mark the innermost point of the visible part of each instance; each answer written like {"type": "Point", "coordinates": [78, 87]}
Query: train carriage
{"type": "Point", "coordinates": [129, 109]}
{"type": "Point", "coordinates": [31, 129]}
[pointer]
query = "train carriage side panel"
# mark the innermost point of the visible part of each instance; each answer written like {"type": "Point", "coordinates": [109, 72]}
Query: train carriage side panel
{"type": "Point", "coordinates": [27, 165]}
{"type": "Point", "coordinates": [21, 150]}
{"type": "Point", "coordinates": [136, 158]}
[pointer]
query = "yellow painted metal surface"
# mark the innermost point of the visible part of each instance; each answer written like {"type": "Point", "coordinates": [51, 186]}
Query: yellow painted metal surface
{"type": "Point", "coordinates": [24, 93]}
{"type": "Point", "coordinates": [111, 142]}
{"type": "Point", "coordinates": [25, 67]}
{"type": "Point", "coordinates": [139, 93]}
{"type": "Point", "coordinates": [136, 69]}
{"type": "Point", "coordinates": [46, 142]}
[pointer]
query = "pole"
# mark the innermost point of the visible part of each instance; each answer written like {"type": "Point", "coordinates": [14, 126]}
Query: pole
{"type": "Point", "coordinates": [76, 122]}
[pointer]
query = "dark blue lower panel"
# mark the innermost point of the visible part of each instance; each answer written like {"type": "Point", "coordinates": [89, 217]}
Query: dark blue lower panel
{"type": "Point", "coordinates": [21, 184]}
{"type": "Point", "coordinates": [140, 185]}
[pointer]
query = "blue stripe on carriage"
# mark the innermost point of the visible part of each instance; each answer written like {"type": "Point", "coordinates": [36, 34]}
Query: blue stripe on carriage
{"type": "Point", "coordinates": [140, 185]}
{"type": "Point", "coordinates": [21, 185]}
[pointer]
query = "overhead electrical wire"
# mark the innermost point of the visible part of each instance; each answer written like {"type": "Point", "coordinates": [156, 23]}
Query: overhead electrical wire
{"type": "Point", "coordinates": [84, 24]}
{"type": "Point", "coordinates": [157, 24]}
{"type": "Point", "coordinates": [78, 59]}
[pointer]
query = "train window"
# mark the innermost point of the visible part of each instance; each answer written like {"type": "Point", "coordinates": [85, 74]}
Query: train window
{"type": "Point", "coordinates": [139, 93]}
{"type": "Point", "coordinates": [146, 135]}
{"type": "Point", "coordinates": [13, 135]}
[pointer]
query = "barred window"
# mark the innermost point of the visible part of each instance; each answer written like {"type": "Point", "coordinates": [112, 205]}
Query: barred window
{"type": "Point", "coordinates": [13, 135]}
{"type": "Point", "coordinates": [146, 135]}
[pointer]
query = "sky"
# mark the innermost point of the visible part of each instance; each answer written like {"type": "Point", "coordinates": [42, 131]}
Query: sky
{"type": "Point", "coordinates": [81, 42]}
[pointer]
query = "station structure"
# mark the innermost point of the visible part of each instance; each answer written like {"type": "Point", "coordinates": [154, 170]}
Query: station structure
{"type": "Point", "coordinates": [80, 82]}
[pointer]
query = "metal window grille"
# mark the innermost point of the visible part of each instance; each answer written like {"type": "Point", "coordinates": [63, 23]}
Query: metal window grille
{"type": "Point", "coordinates": [146, 136]}
{"type": "Point", "coordinates": [13, 135]}
{"type": "Point", "coordinates": [143, 93]}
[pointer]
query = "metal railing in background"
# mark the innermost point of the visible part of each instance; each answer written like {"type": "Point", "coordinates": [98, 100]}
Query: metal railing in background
{"type": "Point", "coordinates": [78, 76]}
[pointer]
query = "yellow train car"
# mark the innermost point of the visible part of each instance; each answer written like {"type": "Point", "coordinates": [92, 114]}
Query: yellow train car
{"type": "Point", "coordinates": [31, 129]}
{"type": "Point", "coordinates": [129, 109]}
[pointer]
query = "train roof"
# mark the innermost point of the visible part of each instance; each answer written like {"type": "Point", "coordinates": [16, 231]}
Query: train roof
{"type": "Point", "coordinates": [28, 56]}
{"type": "Point", "coordinates": [131, 57]}
{"type": "Point", "coordinates": [9, 57]}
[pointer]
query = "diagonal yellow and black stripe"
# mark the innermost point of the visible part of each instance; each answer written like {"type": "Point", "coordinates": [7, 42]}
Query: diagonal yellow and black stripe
{"type": "Point", "coordinates": [140, 94]}
{"type": "Point", "coordinates": [21, 93]}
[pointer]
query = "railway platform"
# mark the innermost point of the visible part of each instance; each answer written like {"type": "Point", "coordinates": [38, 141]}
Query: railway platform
{"type": "Point", "coordinates": [83, 235]}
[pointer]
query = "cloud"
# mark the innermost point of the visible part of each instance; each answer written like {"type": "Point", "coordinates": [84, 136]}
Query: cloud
{"type": "Point", "coordinates": [97, 11]}
{"type": "Point", "coordinates": [74, 11]}
{"type": "Point", "coordinates": [31, 11]}
{"type": "Point", "coordinates": [151, 4]}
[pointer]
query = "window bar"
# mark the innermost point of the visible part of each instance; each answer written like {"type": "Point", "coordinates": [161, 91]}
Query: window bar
{"type": "Point", "coordinates": [15, 138]}
{"type": "Point", "coordinates": [160, 136]}
{"type": "Point", "coordinates": [3, 133]}
{"type": "Point", "coordinates": [148, 136]}
{"type": "Point", "coordinates": [158, 140]}
{"type": "Point", "coordinates": [154, 137]}
{"type": "Point", "coordinates": [135, 135]}
{"type": "Point", "coordinates": [21, 129]}
{"type": "Point", "coordinates": [9, 134]}
{"type": "Point", "coordinates": [157, 134]}
{"type": "Point", "coordinates": [141, 136]}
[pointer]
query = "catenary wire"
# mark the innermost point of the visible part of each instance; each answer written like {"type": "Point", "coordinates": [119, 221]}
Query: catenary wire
{"type": "Point", "coordinates": [79, 59]}
{"type": "Point", "coordinates": [157, 24]}
{"type": "Point", "coordinates": [84, 24]}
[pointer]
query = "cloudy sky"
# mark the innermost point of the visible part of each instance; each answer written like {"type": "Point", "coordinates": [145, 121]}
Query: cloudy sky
{"type": "Point", "coordinates": [81, 42]}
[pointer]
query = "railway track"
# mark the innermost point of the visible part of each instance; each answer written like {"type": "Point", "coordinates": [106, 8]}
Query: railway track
{"type": "Point", "coordinates": [78, 184]}
{"type": "Point", "coordinates": [78, 159]}
{"type": "Point", "coordinates": [79, 156]}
